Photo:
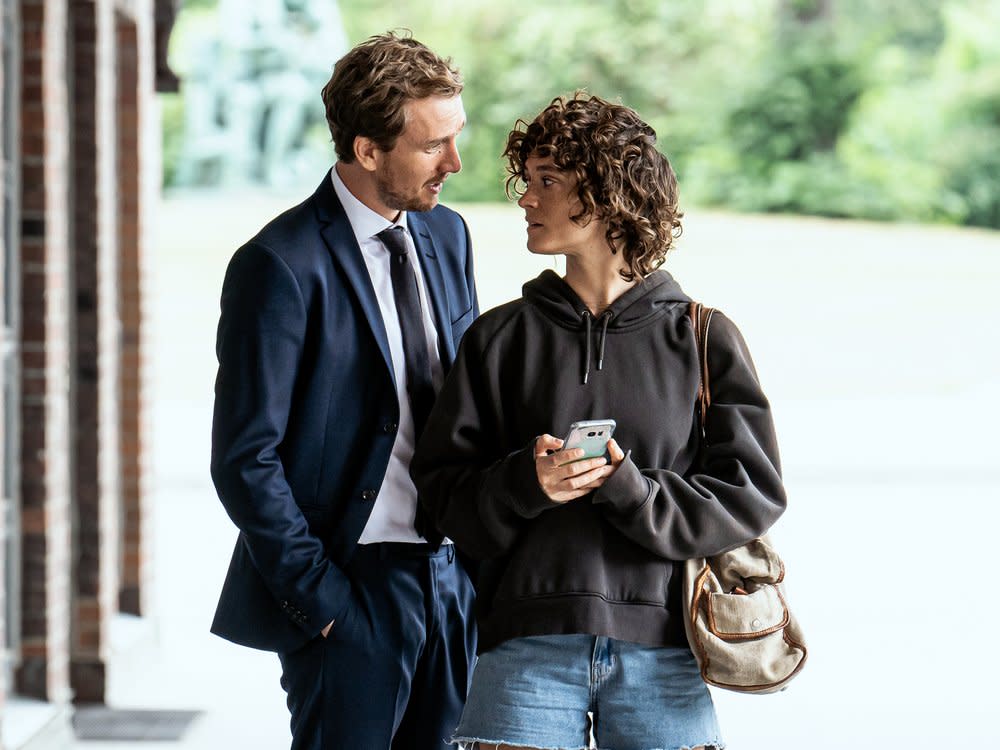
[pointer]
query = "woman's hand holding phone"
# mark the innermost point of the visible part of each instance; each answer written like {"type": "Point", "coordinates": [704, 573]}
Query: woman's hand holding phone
{"type": "Point", "coordinates": [616, 453]}
{"type": "Point", "coordinates": [563, 476]}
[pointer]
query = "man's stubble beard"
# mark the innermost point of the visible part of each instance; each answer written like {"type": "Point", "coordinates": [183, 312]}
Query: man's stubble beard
{"type": "Point", "coordinates": [397, 201]}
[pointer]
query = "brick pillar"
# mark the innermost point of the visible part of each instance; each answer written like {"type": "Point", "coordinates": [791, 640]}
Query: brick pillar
{"type": "Point", "coordinates": [45, 349]}
{"type": "Point", "coordinates": [3, 343]}
{"type": "Point", "coordinates": [138, 184]}
{"type": "Point", "coordinates": [97, 488]}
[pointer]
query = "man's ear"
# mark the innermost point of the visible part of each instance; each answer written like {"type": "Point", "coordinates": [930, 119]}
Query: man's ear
{"type": "Point", "coordinates": [367, 152]}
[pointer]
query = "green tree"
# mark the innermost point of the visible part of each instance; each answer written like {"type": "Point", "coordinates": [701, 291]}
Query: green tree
{"type": "Point", "coordinates": [836, 107]}
{"type": "Point", "coordinates": [666, 60]}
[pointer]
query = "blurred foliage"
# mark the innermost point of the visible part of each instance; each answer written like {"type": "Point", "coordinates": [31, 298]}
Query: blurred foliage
{"type": "Point", "coordinates": [777, 149]}
{"type": "Point", "coordinates": [926, 133]}
{"type": "Point", "coordinates": [887, 110]}
{"type": "Point", "coordinates": [669, 61]}
{"type": "Point", "coordinates": [172, 119]}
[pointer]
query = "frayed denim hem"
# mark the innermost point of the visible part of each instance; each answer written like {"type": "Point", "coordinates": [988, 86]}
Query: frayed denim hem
{"type": "Point", "coordinates": [469, 743]}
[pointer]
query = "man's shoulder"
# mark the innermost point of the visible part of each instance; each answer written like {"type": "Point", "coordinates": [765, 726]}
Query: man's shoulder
{"type": "Point", "coordinates": [490, 326]}
{"type": "Point", "coordinates": [442, 212]}
{"type": "Point", "coordinates": [441, 219]}
{"type": "Point", "coordinates": [291, 240]}
{"type": "Point", "coordinates": [285, 231]}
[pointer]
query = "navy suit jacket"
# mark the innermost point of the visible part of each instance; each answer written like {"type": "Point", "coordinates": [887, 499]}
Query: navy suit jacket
{"type": "Point", "coordinates": [306, 409]}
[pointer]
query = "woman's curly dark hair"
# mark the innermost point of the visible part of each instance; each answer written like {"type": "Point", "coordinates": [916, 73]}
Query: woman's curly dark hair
{"type": "Point", "coordinates": [622, 179]}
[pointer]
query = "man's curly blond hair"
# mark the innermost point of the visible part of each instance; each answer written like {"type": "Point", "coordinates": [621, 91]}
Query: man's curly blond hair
{"type": "Point", "coordinates": [622, 179]}
{"type": "Point", "coordinates": [370, 85]}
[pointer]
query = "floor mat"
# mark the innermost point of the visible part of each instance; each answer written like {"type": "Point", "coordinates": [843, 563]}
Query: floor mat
{"type": "Point", "coordinates": [150, 725]}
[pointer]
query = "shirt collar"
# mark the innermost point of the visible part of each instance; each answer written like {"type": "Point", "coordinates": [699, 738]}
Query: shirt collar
{"type": "Point", "coordinates": [365, 222]}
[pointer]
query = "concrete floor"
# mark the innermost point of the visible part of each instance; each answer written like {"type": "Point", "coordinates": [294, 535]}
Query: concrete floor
{"type": "Point", "coordinates": [878, 347]}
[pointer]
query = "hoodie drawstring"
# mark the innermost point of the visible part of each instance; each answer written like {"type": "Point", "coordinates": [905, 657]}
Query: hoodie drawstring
{"type": "Point", "coordinates": [605, 319]}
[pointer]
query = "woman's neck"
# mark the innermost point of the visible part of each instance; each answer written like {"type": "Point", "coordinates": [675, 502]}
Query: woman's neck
{"type": "Point", "coordinates": [597, 283]}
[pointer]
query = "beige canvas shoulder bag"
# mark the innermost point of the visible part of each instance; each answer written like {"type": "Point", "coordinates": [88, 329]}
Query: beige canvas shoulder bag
{"type": "Point", "coordinates": [737, 620]}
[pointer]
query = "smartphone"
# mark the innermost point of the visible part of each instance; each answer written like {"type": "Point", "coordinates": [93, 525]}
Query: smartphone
{"type": "Point", "coordinates": [592, 435]}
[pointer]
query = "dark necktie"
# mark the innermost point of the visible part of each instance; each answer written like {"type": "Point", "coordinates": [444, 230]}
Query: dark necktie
{"type": "Point", "coordinates": [419, 386]}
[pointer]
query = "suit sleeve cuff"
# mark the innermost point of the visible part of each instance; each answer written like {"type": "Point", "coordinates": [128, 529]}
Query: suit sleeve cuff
{"type": "Point", "coordinates": [330, 603]}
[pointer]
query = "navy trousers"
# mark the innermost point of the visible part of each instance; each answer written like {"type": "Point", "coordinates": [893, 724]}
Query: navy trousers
{"type": "Point", "coordinates": [394, 671]}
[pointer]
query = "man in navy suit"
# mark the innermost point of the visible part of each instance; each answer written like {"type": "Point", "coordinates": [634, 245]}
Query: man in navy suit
{"type": "Point", "coordinates": [339, 320]}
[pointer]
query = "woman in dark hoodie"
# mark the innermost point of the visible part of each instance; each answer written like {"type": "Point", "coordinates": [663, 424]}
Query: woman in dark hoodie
{"type": "Point", "coordinates": [579, 605]}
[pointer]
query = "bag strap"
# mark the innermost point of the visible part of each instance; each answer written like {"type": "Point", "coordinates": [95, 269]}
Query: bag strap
{"type": "Point", "coordinates": [701, 319]}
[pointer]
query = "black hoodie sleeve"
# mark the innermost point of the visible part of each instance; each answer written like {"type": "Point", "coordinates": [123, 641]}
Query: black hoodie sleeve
{"type": "Point", "coordinates": [477, 496]}
{"type": "Point", "coordinates": [734, 492]}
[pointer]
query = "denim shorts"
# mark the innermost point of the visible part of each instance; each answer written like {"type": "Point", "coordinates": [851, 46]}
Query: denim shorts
{"type": "Point", "coordinates": [542, 691]}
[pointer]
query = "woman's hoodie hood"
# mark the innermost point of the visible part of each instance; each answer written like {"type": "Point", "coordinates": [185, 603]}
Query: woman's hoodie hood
{"type": "Point", "coordinates": [638, 307]}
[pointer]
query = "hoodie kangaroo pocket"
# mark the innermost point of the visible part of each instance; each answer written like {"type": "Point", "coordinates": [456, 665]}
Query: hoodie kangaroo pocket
{"type": "Point", "coordinates": [572, 551]}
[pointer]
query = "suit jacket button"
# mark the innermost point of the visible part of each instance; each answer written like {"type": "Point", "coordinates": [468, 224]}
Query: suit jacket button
{"type": "Point", "coordinates": [368, 495]}
{"type": "Point", "coordinates": [389, 427]}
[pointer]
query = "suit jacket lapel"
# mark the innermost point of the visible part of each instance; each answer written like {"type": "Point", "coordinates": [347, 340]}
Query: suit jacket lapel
{"type": "Point", "coordinates": [436, 288]}
{"type": "Point", "coordinates": [343, 245]}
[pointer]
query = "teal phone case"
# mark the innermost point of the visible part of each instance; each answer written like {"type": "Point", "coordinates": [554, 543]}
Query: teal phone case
{"type": "Point", "coordinates": [592, 435]}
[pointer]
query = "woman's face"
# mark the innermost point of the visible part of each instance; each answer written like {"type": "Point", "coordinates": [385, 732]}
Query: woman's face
{"type": "Point", "coordinates": [549, 201]}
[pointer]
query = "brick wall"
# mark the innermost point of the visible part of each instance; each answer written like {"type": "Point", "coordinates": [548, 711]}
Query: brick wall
{"type": "Point", "coordinates": [3, 501]}
{"type": "Point", "coordinates": [138, 186]}
{"type": "Point", "coordinates": [89, 177]}
{"type": "Point", "coordinates": [96, 489]}
{"type": "Point", "coordinates": [45, 353]}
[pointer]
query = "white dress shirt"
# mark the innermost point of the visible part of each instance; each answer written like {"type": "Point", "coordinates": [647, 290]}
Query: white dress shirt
{"type": "Point", "coordinates": [395, 507]}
